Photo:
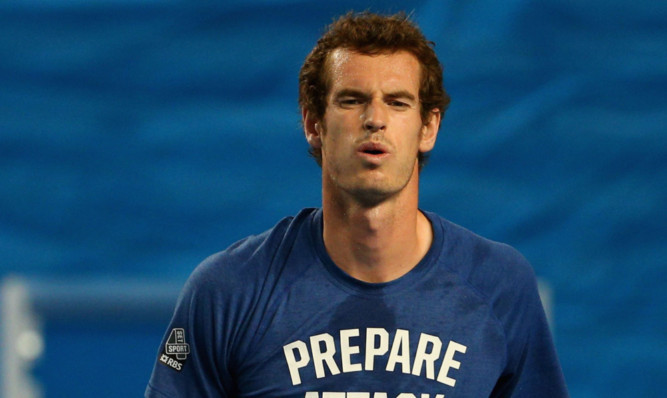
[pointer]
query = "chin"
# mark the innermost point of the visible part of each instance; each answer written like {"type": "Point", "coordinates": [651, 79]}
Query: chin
{"type": "Point", "coordinates": [373, 195]}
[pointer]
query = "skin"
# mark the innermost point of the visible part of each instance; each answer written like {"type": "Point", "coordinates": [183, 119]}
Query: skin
{"type": "Point", "coordinates": [370, 136]}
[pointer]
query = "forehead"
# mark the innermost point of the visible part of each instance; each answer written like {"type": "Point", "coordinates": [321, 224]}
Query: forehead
{"type": "Point", "coordinates": [398, 70]}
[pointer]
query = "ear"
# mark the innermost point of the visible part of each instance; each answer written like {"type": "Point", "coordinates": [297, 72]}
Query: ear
{"type": "Point", "coordinates": [312, 128]}
{"type": "Point", "coordinates": [430, 132]}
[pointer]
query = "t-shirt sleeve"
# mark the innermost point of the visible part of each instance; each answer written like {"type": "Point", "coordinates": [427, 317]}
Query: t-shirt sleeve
{"type": "Point", "coordinates": [195, 356]}
{"type": "Point", "coordinates": [532, 366]}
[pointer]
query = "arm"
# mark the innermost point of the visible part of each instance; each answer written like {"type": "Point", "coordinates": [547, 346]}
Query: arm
{"type": "Point", "coordinates": [532, 366]}
{"type": "Point", "coordinates": [193, 359]}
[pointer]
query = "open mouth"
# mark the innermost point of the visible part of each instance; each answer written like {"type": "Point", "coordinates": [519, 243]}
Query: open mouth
{"type": "Point", "coordinates": [373, 149]}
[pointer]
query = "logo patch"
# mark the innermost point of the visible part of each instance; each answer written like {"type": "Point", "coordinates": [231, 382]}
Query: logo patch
{"type": "Point", "coordinates": [175, 350]}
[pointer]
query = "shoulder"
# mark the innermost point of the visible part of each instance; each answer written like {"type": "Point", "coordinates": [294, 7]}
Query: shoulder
{"type": "Point", "coordinates": [504, 280]}
{"type": "Point", "coordinates": [475, 257]}
{"type": "Point", "coordinates": [497, 272]}
{"type": "Point", "coordinates": [248, 261]}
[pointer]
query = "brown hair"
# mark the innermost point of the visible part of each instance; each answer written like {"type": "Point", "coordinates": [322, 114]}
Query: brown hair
{"type": "Point", "coordinates": [371, 34]}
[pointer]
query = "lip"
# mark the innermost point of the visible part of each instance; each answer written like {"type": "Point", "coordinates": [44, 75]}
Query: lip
{"type": "Point", "coordinates": [373, 151]}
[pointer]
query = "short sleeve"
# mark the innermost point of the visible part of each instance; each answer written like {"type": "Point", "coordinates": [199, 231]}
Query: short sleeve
{"type": "Point", "coordinates": [532, 366]}
{"type": "Point", "coordinates": [194, 357]}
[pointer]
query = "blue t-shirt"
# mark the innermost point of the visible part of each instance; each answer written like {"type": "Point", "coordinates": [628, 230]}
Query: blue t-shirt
{"type": "Point", "coordinates": [273, 316]}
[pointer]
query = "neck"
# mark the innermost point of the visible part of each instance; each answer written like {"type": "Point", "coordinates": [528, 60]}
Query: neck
{"type": "Point", "coordinates": [376, 243]}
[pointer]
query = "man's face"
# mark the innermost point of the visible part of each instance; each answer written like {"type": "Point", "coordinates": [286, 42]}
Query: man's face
{"type": "Point", "coordinates": [372, 130]}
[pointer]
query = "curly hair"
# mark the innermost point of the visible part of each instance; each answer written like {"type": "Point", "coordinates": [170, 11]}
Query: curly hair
{"type": "Point", "coordinates": [371, 34]}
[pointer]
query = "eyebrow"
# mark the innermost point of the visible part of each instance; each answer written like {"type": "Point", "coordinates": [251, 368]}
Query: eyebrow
{"type": "Point", "coordinates": [402, 94]}
{"type": "Point", "coordinates": [349, 92]}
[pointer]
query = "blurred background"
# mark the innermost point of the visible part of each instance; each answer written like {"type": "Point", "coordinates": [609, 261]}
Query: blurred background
{"type": "Point", "coordinates": [138, 136]}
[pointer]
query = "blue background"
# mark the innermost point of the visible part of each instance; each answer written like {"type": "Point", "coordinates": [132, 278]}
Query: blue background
{"type": "Point", "coordinates": [138, 137]}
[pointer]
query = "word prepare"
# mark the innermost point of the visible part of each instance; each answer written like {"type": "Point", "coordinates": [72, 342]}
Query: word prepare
{"type": "Point", "coordinates": [322, 353]}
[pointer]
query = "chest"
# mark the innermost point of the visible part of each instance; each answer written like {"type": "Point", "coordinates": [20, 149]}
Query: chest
{"type": "Point", "coordinates": [426, 342]}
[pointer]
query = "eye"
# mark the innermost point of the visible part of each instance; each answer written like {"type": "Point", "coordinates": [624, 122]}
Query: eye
{"type": "Point", "coordinates": [399, 104]}
{"type": "Point", "coordinates": [348, 102]}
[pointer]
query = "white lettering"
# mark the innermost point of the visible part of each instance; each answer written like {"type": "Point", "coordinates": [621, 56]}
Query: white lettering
{"type": "Point", "coordinates": [400, 351]}
{"type": "Point", "coordinates": [371, 349]}
{"type": "Point", "coordinates": [173, 363]}
{"type": "Point", "coordinates": [292, 363]}
{"type": "Point", "coordinates": [449, 362]}
{"type": "Point", "coordinates": [315, 394]}
{"type": "Point", "coordinates": [347, 350]}
{"type": "Point", "coordinates": [320, 356]}
{"type": "Point", "coordinates": [429, 358]}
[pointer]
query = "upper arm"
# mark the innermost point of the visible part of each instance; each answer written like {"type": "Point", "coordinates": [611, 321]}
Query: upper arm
{"type": "Point", "coordinates": [195, 356]}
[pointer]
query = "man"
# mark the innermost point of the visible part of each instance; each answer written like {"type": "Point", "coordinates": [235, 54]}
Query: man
{"type": "Point", "coordinates": [367, 297]}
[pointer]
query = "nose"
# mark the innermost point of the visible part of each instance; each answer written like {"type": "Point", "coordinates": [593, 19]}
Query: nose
{"type": "Point", "coordinates": [374, 117]}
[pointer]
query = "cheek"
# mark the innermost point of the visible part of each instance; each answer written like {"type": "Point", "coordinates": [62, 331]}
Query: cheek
{"type": "Point", "coordinates": [337, 133]}
{"type": "Point", "coordinates": [330, 141]}
{"type": "Point", "coordinates": [412, 137]}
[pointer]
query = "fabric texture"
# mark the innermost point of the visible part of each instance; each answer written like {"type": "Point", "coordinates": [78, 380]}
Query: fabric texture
{"type": "Point", "coordinates": [273, 316]}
